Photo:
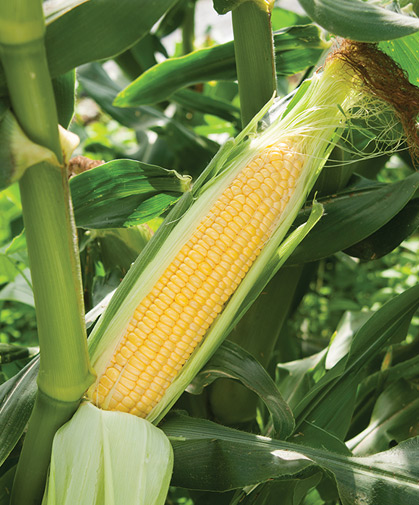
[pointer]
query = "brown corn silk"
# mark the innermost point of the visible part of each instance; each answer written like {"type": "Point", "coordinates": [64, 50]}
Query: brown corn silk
{"type": "Point", "coordinates": [173, 318]}
{"type": "Point", "coordinates": [383, 78]}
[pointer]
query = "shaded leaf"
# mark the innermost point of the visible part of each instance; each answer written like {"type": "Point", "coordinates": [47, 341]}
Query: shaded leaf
{"type": "Point", "coordinates": [395, 418]}
{"type": "Point", "coordinates": [16, 400]}
{"type": "Point", "coordinates": [124, 192]}
{"type": "Point", "coordinates": [389, 236]}
{"type": "Point", "coordinates": [329, 404]}
{"type": "Point", "coordinates": [10, 352]}
{"type": "Point", "coordinates": [354, 215]}
{"type": "Point", "coordinates": [199, 102]}
{"type": "Point", "coordinates": [213, 457]}
{"type": "Point", "coordinates": [19, 290]}
{"type": "Point", "coordinates": [64, 92]}
{"type": "Point", "coordinates": [233, 362]}
{"type": "Point", "coordinates": [99, 86]}
{"type": "Point", "coordinates": [359, 20]}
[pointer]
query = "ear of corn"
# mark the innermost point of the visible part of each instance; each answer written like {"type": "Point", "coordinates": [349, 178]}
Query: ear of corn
{"type": "Point", "coordinates": [213, 254]}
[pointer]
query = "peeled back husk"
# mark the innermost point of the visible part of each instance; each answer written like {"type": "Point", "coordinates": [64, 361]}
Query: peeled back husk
{"type": "Point", "coordinates": [108, 458]}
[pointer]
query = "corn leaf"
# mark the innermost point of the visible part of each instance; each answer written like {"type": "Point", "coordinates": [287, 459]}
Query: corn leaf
{"type": "Point", "coordinates": [99, 86]}
{"type": "Point", "coordinates": [330, 402]}
{"type": "Point", "coordinates": [292, 491]}
{"type": "Point", "coordinates": [295, 48]}
{"type": "Point", "coordinates": [16, 400]}
{"type": "Point", "coordinates": [124, 192]}
{"type": "Point", "coordinates": [405, 52]}
{"type": "Point", "coordinates": [233, 362]}
{"type": "Point", "coordinates": [213, 457]}
{"type": "Point", "coordinates": [353, 216]}
{"type": "Point", "coordinates": [389, 236]}
{"type": "Point", "coordinates": [19, 290]}
{"type": "Point", "coordinates": [395, 418]}
{"type": "Point", "coordinates": [359, 20]}
{"type": "Point", "coordinates": [6, 483]}
{"type": "Point", "coordinates": [96, 29]}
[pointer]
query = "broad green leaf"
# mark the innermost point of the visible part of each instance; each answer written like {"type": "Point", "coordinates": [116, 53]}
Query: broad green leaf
{"type": "Point", "coordinates": [16, 400]}
{"type": "Point", "coordinates": [292, 492]}
{"type": "Point", "coordinates": [395, 418]}
{"type": "Point", "coordinates": [6, 483]}
{"type": "Point", "coordinates": [124, 192]}
{"type": "Point", "coordinates": [353, 216]}
{"type": "Point", "coordinates": [191, 100]}
{"type": "Point", "coordinates": [233, 362]}
{"type": "Point", "coordinates": [212, 457]}
{"type": "Point", "coordinates": [330, 402]}
{"type": "Point", "coordinates": [96, 29]}
{"type": "Point", "coordinates": [359, 20]}
{"type": "Point", "coordinates": [295, 379]}
{"type": "Point", "coordinates": [192, 151]}
{"type": "Point", "coordinates": [172, 19]}
{"type": "Point", "coordinates": [389, 236]}
{"type": "Point", "coordinates": [295, 48]}
{"type": "Point", "coordinates": [405, 52]}
{"type": "Point", "coordinates": [282, 18]}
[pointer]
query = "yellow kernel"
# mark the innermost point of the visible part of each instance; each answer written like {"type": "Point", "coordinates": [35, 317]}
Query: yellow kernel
{"type": "Point", "coordinates": [165, 328]}
{"type": "Point", "coordinates": [143, 329]}
{"type": "Point", "coordinates": [212, 233]}
{"type": "Point", "coordinates": [147, 352]}
{"type": "Point", "coordinates": [160, 304]}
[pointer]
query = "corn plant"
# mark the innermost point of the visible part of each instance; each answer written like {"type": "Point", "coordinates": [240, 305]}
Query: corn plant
{"type": "Point", "coordinates": [177, 260]}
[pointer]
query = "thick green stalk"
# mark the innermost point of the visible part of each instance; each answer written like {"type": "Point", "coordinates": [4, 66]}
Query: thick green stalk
{"type": "Point", "coordinates": [65, 371]}
{"type": "Point", "coordinates": [30, 478]}
{"type": "Point", "coordinates": [255, 60]}
{"type": "Point", "coordinates": [188, 28]}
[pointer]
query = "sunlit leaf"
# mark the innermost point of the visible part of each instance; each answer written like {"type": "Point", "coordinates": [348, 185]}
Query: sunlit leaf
{"type": "Point", "coordinates": [359, 20]}
{"type": "Point", "coordinates": [212, 457]}
{"type": "Point", "coordinates": [295, 49]}
{"type": "Point", "coordinates": [92, 30]}
{"type": "Point", "coordinates": [124, 192]}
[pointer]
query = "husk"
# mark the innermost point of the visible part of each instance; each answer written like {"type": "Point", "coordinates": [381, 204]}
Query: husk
{"type": "Point", "coordinates": [108, 458]}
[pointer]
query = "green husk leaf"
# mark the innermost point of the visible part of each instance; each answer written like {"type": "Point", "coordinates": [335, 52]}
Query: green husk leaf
{"type": "Point", "coordinates": [108, 457]}
{"type": "Point", "coordinates": [124, 192]}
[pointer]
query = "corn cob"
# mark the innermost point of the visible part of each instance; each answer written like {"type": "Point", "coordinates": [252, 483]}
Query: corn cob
{"type": "Point", "coordinates": [173, 318]}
